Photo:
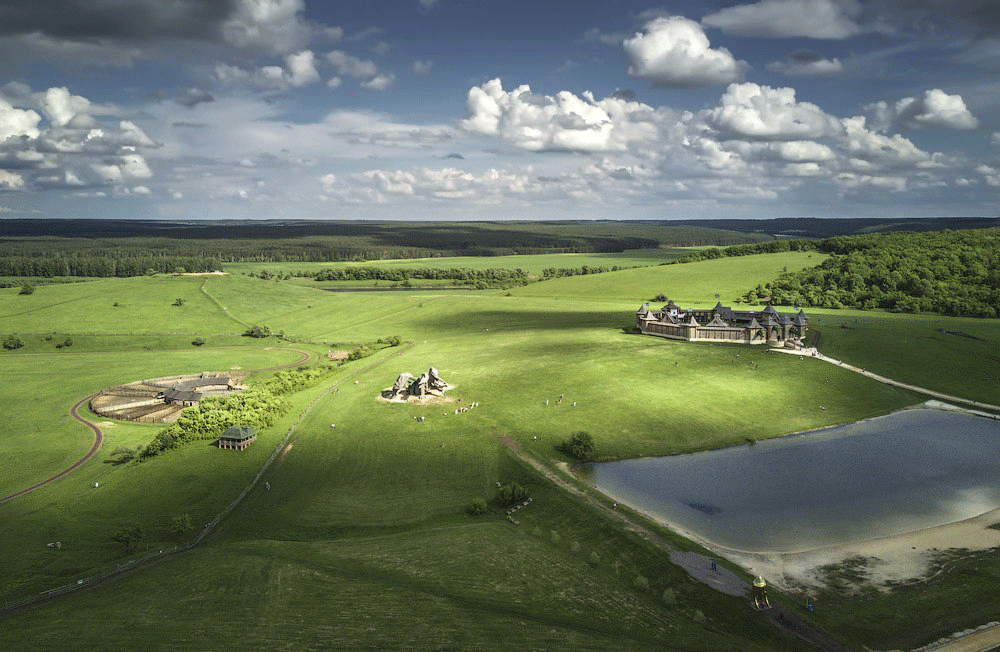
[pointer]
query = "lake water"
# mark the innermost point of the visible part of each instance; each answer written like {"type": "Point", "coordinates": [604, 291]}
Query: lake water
{"type": "Point", "coordinates": [906, 471]}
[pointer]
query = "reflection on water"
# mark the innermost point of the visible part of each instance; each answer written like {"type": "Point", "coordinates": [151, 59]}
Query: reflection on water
{"type": "Point", "coordinates": [906, 471]}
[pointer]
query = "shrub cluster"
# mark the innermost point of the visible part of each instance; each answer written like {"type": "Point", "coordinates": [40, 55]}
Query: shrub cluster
{"type": "Point", "coordinates": [580, 445]}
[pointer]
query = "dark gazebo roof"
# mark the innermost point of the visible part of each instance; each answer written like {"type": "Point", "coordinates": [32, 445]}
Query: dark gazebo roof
{"type": "Point", "coordinates": [202, 382]}
{"type": "Point", "coordinates": [769, 309]}
{"type": "Point", "coordinates": [238, 433]}
{"type": "Point", "coordinates": [800, 319]}
{"type": "Point", "coordinates": [180, 395]}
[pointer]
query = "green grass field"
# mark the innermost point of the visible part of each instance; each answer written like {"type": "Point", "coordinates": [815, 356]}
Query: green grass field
{"type": "Point", "coordinates": [362, 540]}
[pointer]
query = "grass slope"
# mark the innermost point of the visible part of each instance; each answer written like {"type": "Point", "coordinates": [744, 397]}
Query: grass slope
{"type": "Point", "coordinates": [363, 540]}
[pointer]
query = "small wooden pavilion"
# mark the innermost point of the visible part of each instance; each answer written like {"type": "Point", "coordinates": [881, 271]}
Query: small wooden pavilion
{"type": "Point", "coordinates": [237, 437]}
{"type": "Point", "coordinates": [758, 594]}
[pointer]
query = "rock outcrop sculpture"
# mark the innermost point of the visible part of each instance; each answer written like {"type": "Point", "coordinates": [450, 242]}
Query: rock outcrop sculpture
{"type": "Point", "coordinates": [428, 383]}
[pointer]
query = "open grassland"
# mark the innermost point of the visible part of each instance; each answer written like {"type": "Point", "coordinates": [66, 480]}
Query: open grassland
{"type": "Point", "coordinates": [362, 540]}
{"type": "Point", "coordinates": [689, 284]}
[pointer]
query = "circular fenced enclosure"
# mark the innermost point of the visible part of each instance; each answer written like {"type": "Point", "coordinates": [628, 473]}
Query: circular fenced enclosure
{"type": "Point", "coordinates": [160, 400]}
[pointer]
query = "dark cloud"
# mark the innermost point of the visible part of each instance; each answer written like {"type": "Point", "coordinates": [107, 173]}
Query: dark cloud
{"type": "Point", "coordinates": [134, 20]}
{"type": "Point", "coordinates": [626, 94]}
{"type": "Point", "coordinates": [981, 17]}
{"type": "Point", "coordinates": [805, 56]}
{"type": "Point", "coordinates": [190, 125]}
{"type": "Point", "coordinates": [192, 97]}
{"type": "Point", "coordinates": [454, 155]}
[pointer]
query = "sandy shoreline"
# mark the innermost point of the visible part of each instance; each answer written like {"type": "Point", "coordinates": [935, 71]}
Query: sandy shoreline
{"type": "Point", "coordinates": [890, 559]}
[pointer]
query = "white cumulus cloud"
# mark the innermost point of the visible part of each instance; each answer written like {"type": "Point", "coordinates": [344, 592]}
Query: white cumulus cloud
{"type": "Point", "coordinates": [752, 111]}
{"type": "Point", "coordinates": [275, 26]}
{"type": "Point", "coordinates": [11, 180]}
{"type": "Point", "coordinates": [380, 82]}
{"type": "Point", "coordinates": [675, 52]}
{"type": "Point", "coordinates": [17, 122]}
{"type": "Point", "coordinates": [564, 122]}
{"type": "Point", "coordinates": [936, 108]}
{"type": "Point", "coordinates": [819, 19]}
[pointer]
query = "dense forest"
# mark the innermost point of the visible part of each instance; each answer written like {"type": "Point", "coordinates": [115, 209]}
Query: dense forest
{"type": "Point", "coordinates": [56, 240]}
{"type": "Point", "coordinates": [948, 272]}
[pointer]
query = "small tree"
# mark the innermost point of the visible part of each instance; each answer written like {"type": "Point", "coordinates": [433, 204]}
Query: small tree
{"type": "Point", "coordinates": [123, 455]}
{"type": "Point", "coordinates": [257, 331]}
{"type": "Point", "coordinates": [181, 525]}
{"type": "Point", "coordinates": [198, 341]}
{"type": "Point", "coordinates": [129, 535]}
{"type": "Point", "coordinates": [68, 341]}
{"type": "Point", "coordinates": [660, 298]}
{"type": "Point", "coordinates": [511, 494]}
{"type": "Point", "coordinates": [178, 302]}
{"type": "Point", "coordinates": [27, 288]}
{"type": "Point", "coordinates": [12, 342]}
{"type": "Point", "coordinates": [580, 445]}
{"type": "Point", "coordinates": [477, 507]}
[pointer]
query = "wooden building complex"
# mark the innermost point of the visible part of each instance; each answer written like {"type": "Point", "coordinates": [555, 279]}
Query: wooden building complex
{"type": "Point", "coordinates": [723, 324]}
{"type": "Point", "coordinates": [237, 437]}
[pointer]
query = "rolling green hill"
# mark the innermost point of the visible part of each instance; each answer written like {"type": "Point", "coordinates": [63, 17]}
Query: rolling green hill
{"type": "Point", "coordinates": [363, 538]}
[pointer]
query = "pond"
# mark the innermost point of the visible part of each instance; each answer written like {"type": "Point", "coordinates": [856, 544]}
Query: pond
{"type": "Point", "coordinates": [906, 471]}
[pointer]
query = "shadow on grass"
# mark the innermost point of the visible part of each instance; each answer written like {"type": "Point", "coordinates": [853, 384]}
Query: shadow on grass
{"type": "Point", "coordinates": [534, 320]}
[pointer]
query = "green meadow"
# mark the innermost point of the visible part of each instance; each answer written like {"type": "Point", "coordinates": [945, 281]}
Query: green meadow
{"type": "Point", "coordinates": [363, 539]}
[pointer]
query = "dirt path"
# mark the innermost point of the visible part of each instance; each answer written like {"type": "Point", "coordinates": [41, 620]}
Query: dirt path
{"type": "Point", "coordinates": [98, 440]}
{"type": "Point", "coordinates": [698, 566]}
{"type": "Point", "coordinates": [813, 353]}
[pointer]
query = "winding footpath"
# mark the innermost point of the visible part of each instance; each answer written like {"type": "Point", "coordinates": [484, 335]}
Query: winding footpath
{"type": "Point", "coordinates": [98, 440]}
{"type": "Point", "coordinates": [815, 354]}
{"type": "Point", "coordinates": [99, 434]}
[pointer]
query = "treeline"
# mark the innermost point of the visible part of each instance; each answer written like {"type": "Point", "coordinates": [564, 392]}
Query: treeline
{"type": "Point", "coordinates": [773, 247]}
{"type": "Point", "coordinates": [948, 272]}
{"type": "Point", "coordinates": [493, 274]}
{"type": "Point", "coordinates": [48, 266]}
{"type": "Point", "coordinates": [257, 407]}
{"type": "Point", "coordinates": [559, 272]}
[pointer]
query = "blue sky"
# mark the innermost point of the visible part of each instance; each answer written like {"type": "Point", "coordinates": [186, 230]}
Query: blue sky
{"type": "Point", "coordinates": [444, 109]}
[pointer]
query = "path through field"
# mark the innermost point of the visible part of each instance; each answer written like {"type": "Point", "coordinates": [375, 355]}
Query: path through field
{"type": "Point", "coordinates": [98, 440]}
{"type": "Point", "coordinates": [813, 353]}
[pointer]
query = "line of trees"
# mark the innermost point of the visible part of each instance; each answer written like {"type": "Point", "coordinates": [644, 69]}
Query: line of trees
{"type": "Point", "coordinates": [364, 273]}
{"type": "Point", "coordinates": [47, 266]}
{"type": "Point", "coordinates": [773, 247]}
